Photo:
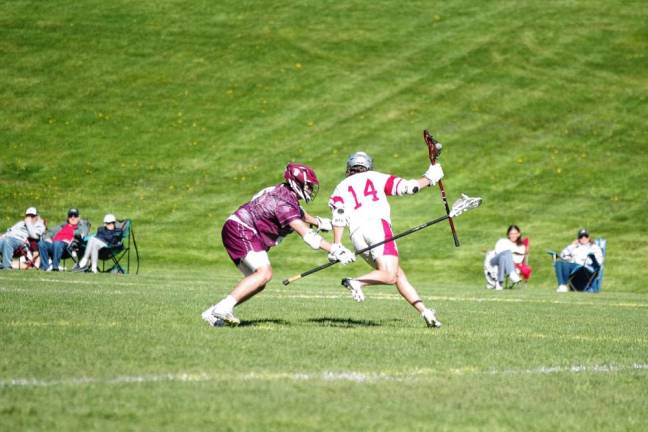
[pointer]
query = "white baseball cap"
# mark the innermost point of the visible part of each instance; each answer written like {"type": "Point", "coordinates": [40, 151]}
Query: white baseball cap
{"type": "Point", "coordinates": [110, 218]}
{"type": "Point", "coordinates": [31, 211]}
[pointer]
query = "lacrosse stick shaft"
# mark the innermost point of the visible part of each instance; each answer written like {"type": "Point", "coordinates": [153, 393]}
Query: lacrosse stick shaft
{"type": "Point", "coordinates": [368, 248]}
{"type": "Point", "coordinates": [447, 207]}
{"type": "Point", "coordinates": [433, 152]}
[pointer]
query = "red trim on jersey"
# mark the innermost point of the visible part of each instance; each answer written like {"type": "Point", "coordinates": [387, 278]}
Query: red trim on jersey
{"type": "Point", "coordinates": [337, 198]}
{"type": "Point", "coordinates": [389, 185]}
{"type": "Point", "coordinates": [389, 247]}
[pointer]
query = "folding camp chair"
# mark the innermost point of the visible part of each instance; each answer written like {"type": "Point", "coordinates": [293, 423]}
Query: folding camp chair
{"type": "Point", "coordinates": [586, 279]}
{"type": "Point", "coordinates": [523, 268]}
{"type": "Point", "coordinates": [76, 248]}
{"type": "Point", "coordinates": [112, 258]}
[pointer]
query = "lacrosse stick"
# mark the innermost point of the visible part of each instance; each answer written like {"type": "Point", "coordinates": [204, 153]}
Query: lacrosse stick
{"type": "Point", "coordinates": [434, 149]}
{"type": "Point", "coordinates": [460, 206]}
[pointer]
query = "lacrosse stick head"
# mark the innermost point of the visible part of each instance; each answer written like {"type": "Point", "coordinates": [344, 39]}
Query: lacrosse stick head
{"type": "Point", "coordinates": [464, 204]}
{"type": "Point", "coordinates": [434, 146]}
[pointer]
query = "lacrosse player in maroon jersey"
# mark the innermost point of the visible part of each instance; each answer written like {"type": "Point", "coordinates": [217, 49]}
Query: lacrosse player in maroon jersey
{"type": "Point", "coordinates": [260, 224]}
{"type": "Point", "coordinates": [360, 202]}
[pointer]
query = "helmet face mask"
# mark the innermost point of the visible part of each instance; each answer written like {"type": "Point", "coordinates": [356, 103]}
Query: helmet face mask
{"type": "Point", "coordinates": [358, 162]}
{"type": "Point", "coordinates": [310, 191]}
{"type": "Point", "coordinates": [302, 180]}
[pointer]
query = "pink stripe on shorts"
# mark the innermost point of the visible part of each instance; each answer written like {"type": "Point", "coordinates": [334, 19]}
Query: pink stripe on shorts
{"type": "Point", "coordinates": [389, 248]}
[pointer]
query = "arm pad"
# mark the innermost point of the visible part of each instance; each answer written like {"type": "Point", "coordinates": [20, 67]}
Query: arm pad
{"type": "Point", "coordinates": [312, 239]}
{"type": "Point", "coordinates": [407, 187]}
{"type": "Point", "coordinates": [338, 218]}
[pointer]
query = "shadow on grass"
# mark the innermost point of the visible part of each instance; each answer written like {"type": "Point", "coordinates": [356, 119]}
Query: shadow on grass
{"type": "Point", "coordinates": [258, 322]}
{"type": "Point", "coordinates": [343, 322]}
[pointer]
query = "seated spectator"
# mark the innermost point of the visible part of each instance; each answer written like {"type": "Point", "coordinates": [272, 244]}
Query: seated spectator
{"type": "Point", "coordinates": [581, 253]}
{"type": "Point", "coordinates": [107, 236]}
{"type": "Point", "coordinates": [501, 262]}
{"type": "Point", "coordinates": [31, 227]}
{"type": "Point", "coordinates": [58, 240]}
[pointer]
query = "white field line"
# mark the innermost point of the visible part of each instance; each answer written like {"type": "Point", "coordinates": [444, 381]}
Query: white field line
{"type": "Point", "coordinates": [327, 376]}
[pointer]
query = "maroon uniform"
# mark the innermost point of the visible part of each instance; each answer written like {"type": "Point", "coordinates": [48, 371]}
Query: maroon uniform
{"type": "Point", "coordinates": [258, 224]}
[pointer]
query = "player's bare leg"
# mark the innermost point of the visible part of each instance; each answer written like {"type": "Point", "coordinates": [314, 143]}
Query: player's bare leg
{"type": "Point", "coordinates": [407, 290]}
{"type": "Point", "coordinates": [385, 272]}
{"type": "Point", "coordinates": [252, 284]}
{"type": "Point", "coordinates": [257, 272]}
{"type": "Point", "coordinates": [389, 272]}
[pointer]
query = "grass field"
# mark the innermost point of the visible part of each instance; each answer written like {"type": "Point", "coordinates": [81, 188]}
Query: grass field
{"type": "Point", "coordinates": [173, 113]}
{"type": "Point", "coordinates": [105, 353]}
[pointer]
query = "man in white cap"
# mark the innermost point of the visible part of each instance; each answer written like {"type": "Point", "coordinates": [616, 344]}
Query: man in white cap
{"type": "Point", "coordinates": [107, 236]}
{"type": "Point", "coordinates": [581, 253]}
{"type": "Point", "coordinates": [31, 227]}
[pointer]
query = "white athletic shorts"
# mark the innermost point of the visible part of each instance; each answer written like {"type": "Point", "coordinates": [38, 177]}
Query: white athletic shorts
{"type": "Point", "coordinates": [372, 232]}
{"type": "Point", "coordinates": [252, 261]}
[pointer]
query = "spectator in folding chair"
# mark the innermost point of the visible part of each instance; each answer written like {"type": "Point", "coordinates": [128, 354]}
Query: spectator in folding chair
{"type": "Point", "coordinates": [17, 237]}
{"type": "Point", "coordinates": [508, 259]}
{"type": "Point", "coordinates": [60, 242]}
{"type": "Point", "coordinates": [107, 236]}
{"type": "Point", "coordinates": [582, 255]}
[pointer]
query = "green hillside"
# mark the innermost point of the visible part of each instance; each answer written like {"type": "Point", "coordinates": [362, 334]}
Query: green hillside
{"type": "Point", "coordinates": [174, 113]}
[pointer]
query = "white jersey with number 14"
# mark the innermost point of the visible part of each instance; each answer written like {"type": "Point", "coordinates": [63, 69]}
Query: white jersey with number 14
{"type": "Point", "coordinates": [364, 197]}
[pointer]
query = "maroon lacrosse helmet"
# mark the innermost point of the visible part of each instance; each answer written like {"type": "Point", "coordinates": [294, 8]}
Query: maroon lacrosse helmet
{"type": "Point", "coordinates": [302, 180]}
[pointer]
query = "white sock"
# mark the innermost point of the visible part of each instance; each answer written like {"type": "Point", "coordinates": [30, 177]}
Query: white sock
{"type": "Point", "coordinates": [227, 303]}
{"type": "Point", "coordinates": [82, 263]}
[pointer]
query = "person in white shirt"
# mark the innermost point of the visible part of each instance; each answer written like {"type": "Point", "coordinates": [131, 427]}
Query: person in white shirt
{"type": "Point", "coordinates": [502, 260]}
{"type": "Point", "coordinates": [360, 202]}
{"type": "Point", "coordinates": [31, 227]}
{"type": "Point", "coordinates": [582, 252]}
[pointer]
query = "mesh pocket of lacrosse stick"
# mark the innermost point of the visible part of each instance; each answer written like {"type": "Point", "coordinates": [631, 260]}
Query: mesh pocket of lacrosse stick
{"type": "Point", "coordinates": [464, 204]}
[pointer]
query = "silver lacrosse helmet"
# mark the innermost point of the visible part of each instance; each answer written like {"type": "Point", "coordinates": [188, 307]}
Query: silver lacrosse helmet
{"type": "Point", "coordinates": [359, 159]}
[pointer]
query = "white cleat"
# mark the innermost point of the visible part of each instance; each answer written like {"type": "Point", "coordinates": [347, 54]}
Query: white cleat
{"type": "Point", "coordinates": [429, 315]}
{"type": "Point", "coordinates": [227, 317]}
{"type": "Point", "coordinates": [562, 289]}
{"type": "Point", "coordinates": [212, 320]}
{"type": "Point", "coordinates": [355, 289]}
{"type": "Point", "coordinates": [498, 287]}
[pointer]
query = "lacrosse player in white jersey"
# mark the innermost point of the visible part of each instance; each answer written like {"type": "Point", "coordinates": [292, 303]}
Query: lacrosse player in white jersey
{"type": "Point", "coordinates": [360, 202]}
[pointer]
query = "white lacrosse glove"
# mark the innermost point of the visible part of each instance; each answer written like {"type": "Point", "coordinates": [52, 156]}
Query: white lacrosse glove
{"type": "Point", "coordinates": [340, 253]}
{"type": "Point", "coordinates": [434, 173]}
{"type": "Point", "coordinates": [324, 224]}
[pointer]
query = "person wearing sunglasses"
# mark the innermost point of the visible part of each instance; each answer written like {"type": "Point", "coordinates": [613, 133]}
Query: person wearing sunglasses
{"type": "Point", "coordinates": [60, 238]}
